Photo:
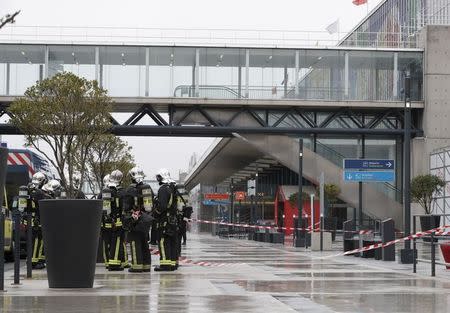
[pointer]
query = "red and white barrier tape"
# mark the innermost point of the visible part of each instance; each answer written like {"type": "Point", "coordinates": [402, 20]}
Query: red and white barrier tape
{"type": "Point", "coordinates": [438, 231]}
{"type": "Point", "coordinates": [361, 232]}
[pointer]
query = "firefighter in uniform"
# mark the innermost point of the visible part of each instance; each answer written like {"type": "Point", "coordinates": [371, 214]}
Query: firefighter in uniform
{"type": "Point", "coordinates": [35, 194]}
{"type": "Point", "coordinates": [117, 253]}
{"type": "Point", "coordinates": [166, 213]}
{"type": "Point", "coordinates": [106, 227]}
{"type": "Point", "coordinates": [137, 206]}
{"type": "Point", "coordinates": [77, 187]}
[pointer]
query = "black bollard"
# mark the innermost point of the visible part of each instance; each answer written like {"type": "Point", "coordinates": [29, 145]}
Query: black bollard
{"type": "Point", "coordinates": [16, 219]}
{"type": "Point", "coordinates": [3, 164]}
{"type": "Point", "coordinates": [29, 246]}
{"type": "Point", "coordinates": [2, 250]}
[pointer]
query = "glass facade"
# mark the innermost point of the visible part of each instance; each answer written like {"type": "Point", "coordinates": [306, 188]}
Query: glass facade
{"type": "Point", "coordinates": [396, 23]}
{"type": "Point", "coordinates": [221, 73]}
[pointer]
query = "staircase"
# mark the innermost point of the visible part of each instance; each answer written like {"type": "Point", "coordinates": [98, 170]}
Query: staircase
{"type": "Point", "coordinates": [285, 149]}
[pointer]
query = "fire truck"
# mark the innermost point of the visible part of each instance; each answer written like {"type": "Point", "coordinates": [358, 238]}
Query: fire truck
{"type": "Point", "coordinates": [22, 164]}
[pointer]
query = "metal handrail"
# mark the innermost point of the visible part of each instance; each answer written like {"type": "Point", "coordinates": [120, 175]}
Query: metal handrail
{"type": "Point", "coordinates": [196, 36]}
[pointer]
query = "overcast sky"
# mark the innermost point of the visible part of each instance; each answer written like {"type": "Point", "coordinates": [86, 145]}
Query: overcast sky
{"type": "Point", "coordinates": [174, 153]}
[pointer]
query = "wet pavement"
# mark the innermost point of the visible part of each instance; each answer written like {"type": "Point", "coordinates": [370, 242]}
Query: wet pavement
{"type": "Point", "coordinates": [243, 276]}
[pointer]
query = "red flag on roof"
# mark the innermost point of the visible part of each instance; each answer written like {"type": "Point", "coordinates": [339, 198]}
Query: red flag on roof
{"type": "Point", "coordinates": [359, 2]}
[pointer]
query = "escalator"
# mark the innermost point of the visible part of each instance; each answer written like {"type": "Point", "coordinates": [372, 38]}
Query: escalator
{"type": "Point", "coordinates": [377, 202]}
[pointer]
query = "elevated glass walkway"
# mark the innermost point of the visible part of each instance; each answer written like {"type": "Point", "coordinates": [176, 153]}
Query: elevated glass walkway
{"type": "Point", "coordinates": [335, 74]}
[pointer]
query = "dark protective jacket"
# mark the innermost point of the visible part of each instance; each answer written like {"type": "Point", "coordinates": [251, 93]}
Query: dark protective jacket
{"type": "Point", "coordinates": [33, 203]}
{"type": "Point", "coordinates": [136, 198]}
{"type": "Point", "coordinates": [167, 209]}
{"type": "Point", "coordinates": [115, 217]}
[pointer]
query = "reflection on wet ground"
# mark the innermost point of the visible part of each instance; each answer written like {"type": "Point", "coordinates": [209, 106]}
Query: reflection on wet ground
{"type": "Point", "coordinates": [244, 276]}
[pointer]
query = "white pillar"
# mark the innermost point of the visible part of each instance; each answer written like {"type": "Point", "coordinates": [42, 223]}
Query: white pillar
{"type": "Point", "coordinates": [8, 79]}
{"type": "Point", "coordinates": [97, 65]}
{"type": "Point", "coordinates": [297, 69]}
{"type": "Point", "coordinates": [197, 72]}
{"type": "Point", "coordinates": [395, 77]}
{"type": "Point", "coordinates": [46, 71]}
{"type": "Point", "coordinates": [247, 71]}
{"type": "Point", "coordinates": [147, 71]}
{"type": "Point", "coordinates": [346, 76]}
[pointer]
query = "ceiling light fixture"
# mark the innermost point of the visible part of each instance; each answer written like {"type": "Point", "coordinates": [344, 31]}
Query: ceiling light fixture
{"type": "Point", "coordinates": [270, 57]}
{"type": "Point", "coordinates": [23, 52]}
{"type": "Point", "coordinates": [73, 54]}
{"type": "Point", "coordinates": [123, 54]}
{"type": "Point", "coordinates": [123, 63]}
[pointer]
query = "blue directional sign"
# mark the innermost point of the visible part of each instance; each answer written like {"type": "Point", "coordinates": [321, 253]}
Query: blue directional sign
{"type": "Point", "coordinates": [216, 202]}
{"type": "Point", "coordinates": [366, 164]}
{"type": "Point", "coordinates": [369, 176]}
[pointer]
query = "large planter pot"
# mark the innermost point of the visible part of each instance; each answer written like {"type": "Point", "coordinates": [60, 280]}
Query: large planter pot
{"type": "Point", "coordinates": [445, 248]}
{"type": "Point", "coordinates": [428, 222]}
{"type": "Point", "coordinates": [70, 230]}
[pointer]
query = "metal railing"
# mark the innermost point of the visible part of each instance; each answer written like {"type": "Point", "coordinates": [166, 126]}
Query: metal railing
{"type": "Point", "coordinates": [259, 92]}
{"type": "Point", "coordinates": [433, 238]}
{"type": "Point", "coordinates": [192, 36]}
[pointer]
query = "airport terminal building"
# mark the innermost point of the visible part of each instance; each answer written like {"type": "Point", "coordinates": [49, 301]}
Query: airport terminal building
{"type": "Point", "coordinates": [260, 97]}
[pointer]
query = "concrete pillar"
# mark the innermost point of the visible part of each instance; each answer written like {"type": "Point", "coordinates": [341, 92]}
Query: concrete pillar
{"type": "Point", "coordinates": [435, 120]}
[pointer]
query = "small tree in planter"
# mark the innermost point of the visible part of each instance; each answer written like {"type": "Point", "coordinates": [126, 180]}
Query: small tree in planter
{"type": "Point", "coordinates": [67, 114]}
{"type": "Point", "coordinates": [105, 155]}
{"type": "Point", "coordinates": [423, 188]}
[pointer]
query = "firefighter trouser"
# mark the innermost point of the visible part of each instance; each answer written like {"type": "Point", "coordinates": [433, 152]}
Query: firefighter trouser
{"type": "Point", "coordinates": [106, 244]}
{"type": "Point", "coordinates": [117, 250]}
{"type": "Point", "coordinates": [38, 246]}
{"type": "Point", "coordinates": [140, 251]}
{"type": "Point", "coordinates": [168, 251]}
{"type": "Point", "coordinates": [154, 234]}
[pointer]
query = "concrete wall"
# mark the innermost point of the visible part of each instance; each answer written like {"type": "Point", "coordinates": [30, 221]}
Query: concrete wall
{"type": "Point", "coordinates": [436, 115]}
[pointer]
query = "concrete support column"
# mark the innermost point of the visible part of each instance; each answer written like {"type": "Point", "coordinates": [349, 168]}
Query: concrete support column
{"type": "Point", "coordinates": [346, 75]}
{"type": "Point", "coordinates": [247, 71]}
{"type": "Point", "coordinates": [147, 72]}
